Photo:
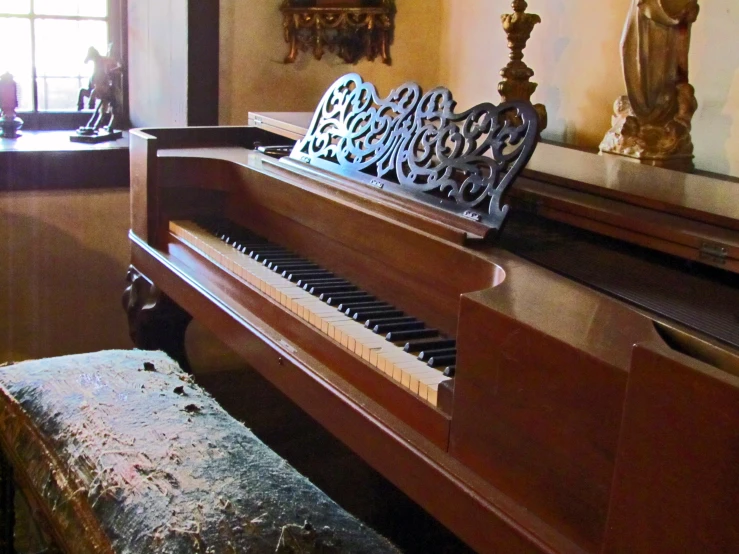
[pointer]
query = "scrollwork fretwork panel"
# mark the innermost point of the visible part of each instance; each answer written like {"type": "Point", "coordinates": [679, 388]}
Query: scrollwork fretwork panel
{"type": "Point", "coordinates": [350, 33]}
{"type": "Point", "coordinates": [415, 144]}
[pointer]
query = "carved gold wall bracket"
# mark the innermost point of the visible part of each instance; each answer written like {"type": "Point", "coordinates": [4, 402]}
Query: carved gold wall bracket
{"type": "Point", "coordinates": [352, 33]}
{"type": "Point", "coordinates": [516, 84]}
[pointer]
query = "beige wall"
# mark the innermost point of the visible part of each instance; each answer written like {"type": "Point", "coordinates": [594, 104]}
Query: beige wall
{"type": "Point", "coordinates": [157, 63]}
{"type": "Point", "coordinates": [64, 258]}
{"type": "Point", "coordinates": [575, 54]}
{"type": "Point", "coordinates": [254, 78]}
{"type": "Point", "coordinates": [460, 44]}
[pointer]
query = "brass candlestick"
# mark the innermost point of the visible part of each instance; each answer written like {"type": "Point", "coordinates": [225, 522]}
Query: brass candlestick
{"type": "Point", "coordinates": [516, 84]}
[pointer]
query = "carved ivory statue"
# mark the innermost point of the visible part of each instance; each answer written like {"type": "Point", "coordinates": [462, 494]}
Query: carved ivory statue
{"type": "Point", "coordinates": [652, 122]}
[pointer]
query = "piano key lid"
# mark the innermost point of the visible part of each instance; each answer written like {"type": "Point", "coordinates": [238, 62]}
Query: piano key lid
{"type": "Point", "coordinates": [414, 145]}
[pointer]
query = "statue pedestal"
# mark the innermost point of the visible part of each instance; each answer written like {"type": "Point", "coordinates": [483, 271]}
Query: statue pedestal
{"type": "Point", "coordinates": [662, 145]}
{"type": "Point", "coordinates": [10, 126]}
{"type": "Point", "coordinates": [678, 164]}
{"type": "Point", "coordinates": [90, 136]}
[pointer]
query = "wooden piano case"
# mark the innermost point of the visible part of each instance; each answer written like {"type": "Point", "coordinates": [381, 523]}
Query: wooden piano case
{"type": "Point", "coordinates": [571, 424]}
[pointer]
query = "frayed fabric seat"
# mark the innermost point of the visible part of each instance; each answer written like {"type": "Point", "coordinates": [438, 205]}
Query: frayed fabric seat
{"type": "Point", "coordinates": [120, 451]}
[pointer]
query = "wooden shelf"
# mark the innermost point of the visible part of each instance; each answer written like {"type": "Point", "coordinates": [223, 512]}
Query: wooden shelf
{"type": "Point", "coordinates": [48, 160]}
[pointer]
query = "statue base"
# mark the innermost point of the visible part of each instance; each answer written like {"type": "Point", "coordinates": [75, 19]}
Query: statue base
{"type": "Point", "coordinates": [89, 135]}
{"type": "Point", "coordinates": [10, 126]}
{"type": "Point", "coordinates": [677, 164]}
{"type": "Point", "coordinates": [668, 145]}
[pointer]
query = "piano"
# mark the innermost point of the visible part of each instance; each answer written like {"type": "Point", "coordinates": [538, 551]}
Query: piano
{"type": "Point", "coordinates": [561, 376]}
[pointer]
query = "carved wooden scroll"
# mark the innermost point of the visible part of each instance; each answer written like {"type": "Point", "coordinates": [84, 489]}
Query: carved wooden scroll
{"type": "Point", "coordinates": [414, 144]}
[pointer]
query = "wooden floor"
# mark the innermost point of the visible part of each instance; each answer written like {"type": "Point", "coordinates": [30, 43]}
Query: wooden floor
{"type": "Point", "coordinates": [313, 451]}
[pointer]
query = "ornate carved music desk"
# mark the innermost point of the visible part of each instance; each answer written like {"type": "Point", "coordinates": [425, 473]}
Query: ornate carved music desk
{"type": "Point", "coordinates": [567, 408]}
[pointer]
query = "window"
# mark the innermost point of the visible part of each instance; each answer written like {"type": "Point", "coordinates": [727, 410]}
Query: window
{"type": "Point", "coordinates": [43, 43]}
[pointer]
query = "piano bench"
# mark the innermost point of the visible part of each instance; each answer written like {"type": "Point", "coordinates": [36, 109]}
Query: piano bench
{"type": "Point", "coordinates": [119, 451]}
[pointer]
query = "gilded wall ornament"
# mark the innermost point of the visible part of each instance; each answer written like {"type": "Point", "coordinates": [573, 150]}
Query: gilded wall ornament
{"type": "Point", "coordinates": [516, 84]}
{"type": "Point", "coordinates": [353, 31]}
{"type": "Point", "coordinates": [652, 121]}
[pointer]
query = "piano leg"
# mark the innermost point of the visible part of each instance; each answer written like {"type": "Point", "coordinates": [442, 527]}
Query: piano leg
{"type": "Point", "coordinates": [155, 322]}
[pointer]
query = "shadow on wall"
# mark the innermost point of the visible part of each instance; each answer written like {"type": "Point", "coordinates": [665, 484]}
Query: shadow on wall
{"type": "Point", "coordinates": [57, 296]}
{"type": "Point", "coordinates": [731, 146]}
{"type": "Point", "coordinates": [553, 61]}
{"type": "Point", "coordinates": [557, 128]}
{"type": "Point", "coordinates": [598, 100]}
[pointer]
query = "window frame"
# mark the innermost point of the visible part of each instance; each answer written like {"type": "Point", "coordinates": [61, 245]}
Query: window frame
{"type": "Point", "coordinates": [68, 120]}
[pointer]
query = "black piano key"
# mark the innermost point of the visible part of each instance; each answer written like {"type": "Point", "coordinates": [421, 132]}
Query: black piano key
{"type": "Point", "coordinates": [296, 275]}
{"type": "Point", "coordinates": [330, 289]}
{"type": "Point", "coordinates": [252, 241]}
{"type": "Point", "coordinates": [337, 298]}
{"type": "Point", "coordinates": [437, 361]}
{"type": "Point", "coordinates": [449, 371]}
{"type": "Point", "coordinates": [358, 312]}
{"type": "Point", "coordinates": [249, 245]}
{"type": "Point", "coordinates": [310, 281]}
{"type": "Point", "coordinates": [434, 342]}
{"type": "Point", "coordinates": [292, 272]}
{"type": "Point", "coordinates": [374, 321]}
{"type": "Point", "coordinates": [299, 266]}
{"type": "Point", "coordinates": [399, 336]}
{"type": "Point", "coordinates": [289, 257]}
{"type": "Point", "coordinates": [276, 265]}
{"type": "Point", "coordinates": [362, 314]}
{"type": "Point", "coordinates": [282, 255]}
{"type": "Point", "coordinates": [270, 261]}
{"type": "Point", "coordinates": [426, 354]}
{"type": "Point", "coordinates": [363, 303]}
{"type": "Point", "coordinates": [353, 296]}
{"type": "Point", "coordinates": [325, 280]}
{"type": "Point", "coordinates": [267, 248]}
{"type": "Point", "coordinates": [373, 309]}
{"type": "Point", "coordinates": [295, 264]}
{"type": "Point", "coordinates": [390, 327]}
{"type": "Point", "coordinates": [260, 256]}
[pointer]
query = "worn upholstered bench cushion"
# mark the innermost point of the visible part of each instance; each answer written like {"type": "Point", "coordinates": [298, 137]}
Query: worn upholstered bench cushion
{"type": "Point", "coordinates": [126, 454]}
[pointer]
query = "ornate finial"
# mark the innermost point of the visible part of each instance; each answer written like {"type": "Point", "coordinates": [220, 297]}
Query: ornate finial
{"type": "Point", "coordinates": [516, 85]}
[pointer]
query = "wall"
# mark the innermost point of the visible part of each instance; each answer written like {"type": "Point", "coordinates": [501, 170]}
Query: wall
{"type": "Point", "coordinates": [173, 62]}
{"type": "Point", "coordinates": [64, 258]}
{"type": "Point", "coordinates": [253, 76]}
{"type": "Point", "coordinates": [575, 53]}
{"type": "Point", "coordinates": [157, 62]}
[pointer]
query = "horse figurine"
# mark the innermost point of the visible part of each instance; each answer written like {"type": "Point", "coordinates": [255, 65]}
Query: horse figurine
{"type": "Point", "coordinates": [104, 89]}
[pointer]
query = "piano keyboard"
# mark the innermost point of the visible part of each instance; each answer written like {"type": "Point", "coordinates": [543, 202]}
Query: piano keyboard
{"type": "Point", "coordinates": [403, 348]}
